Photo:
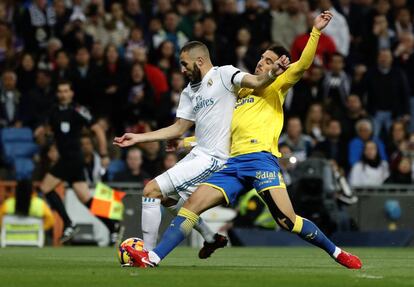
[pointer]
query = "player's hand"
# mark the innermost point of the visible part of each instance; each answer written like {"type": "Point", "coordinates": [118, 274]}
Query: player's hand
{"type": "Point", "coordinates": [322, 20]}
{"type": "Point", "coordinates": [280, 65]}
{"type": "Point", "coordinates": [128, 139]}
{"type": "Point", "coordinates": [174, 145]}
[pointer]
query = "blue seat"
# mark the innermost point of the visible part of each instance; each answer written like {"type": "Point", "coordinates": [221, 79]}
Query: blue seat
{"type": "Point", "coordinates": [12, 151]}
{"type": "Point", "coordinates": [9, 135]}
{"type": "Point", "coordinates": [114, 167]}
{"type": "Point", "coordinates": [24, 168]}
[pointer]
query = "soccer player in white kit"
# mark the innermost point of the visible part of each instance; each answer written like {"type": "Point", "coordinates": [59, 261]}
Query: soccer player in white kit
{"type": "Point", "coordinates": [208, 102]}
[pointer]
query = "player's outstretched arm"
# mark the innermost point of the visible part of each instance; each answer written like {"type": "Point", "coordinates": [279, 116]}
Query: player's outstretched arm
{"type": "Point", "coordinates": [296, 70]}
{"type": "Point", "coordinates": [263, 80]}
{"type": "Point", "coordinates": [174, 131]}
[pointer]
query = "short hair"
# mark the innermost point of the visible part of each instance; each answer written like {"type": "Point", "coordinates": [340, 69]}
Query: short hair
{"type": "Point", "coordinates": [64, 82]}
{"type": "Point", "coordinates": [195, 45]}
{"type": "Point", "coordinates": [279, 50]}
{"type": "Point", "coordinates": [363, 122]}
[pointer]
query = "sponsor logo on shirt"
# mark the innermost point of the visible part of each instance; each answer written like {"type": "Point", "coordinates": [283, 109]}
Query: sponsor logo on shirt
{"type": "Point", "coordinates": [243, 101]}
{"type": "Point", "coordinates": [202, 103]}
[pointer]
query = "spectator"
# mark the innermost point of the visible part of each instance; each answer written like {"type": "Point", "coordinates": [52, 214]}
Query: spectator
{"type": "Point", "coordinates": [169, 32]}
{"type": "Point", "coordinates": [85, 78]}
{"type": "Point", "coordinates": [39, 101]}
{"type": "Point", "coordinates": [26, 73]}
{"type": "Point", "coordinates": [169, 102]}
{"type": "Point", "coordinates": [75, 35]}
{"type": "Point", "coordinates": [218, 46]}
{"type": "Point", "coordinates": [140, 103]}
{"type": "Point", "coordinates": [289, 24]}
{"type": "Point", "coordinates": [10, 46]}
{"type": "Point", "coordinates": [371, 170]}
{"type": "Point", "coordinates": [314, 122]}
{"type": "Point", "coordinates": [326, 46]}
{"type": "Point", "coordinates": [95, 25]}
{"type": "Point", "coordinates": [136, 39]}
{"type": "Point", "coordinates": [304, 93]}
{"type": "Point", "coordinates": [10, 101]}
{"type": "Point", "coordinates": [229, 20]}
{"type": "Point", "coordinates": [402, 175]}
{"type": "Point", "coordinates": [166, 58]}
{"type": "Point", "coordinates": [387, 93]}
{"type": "Point", "coordinates": [398, 134]}
{"type": "Point", "coordinates": [299, 143]}
{"type": "Point", "coordinates": [134, 172]}
{"type": "Point", "coordinates": [381, 38]}
{"type": "Point", "coordinates": [49, 156]}
{"type": "Point", "coordinates": [354, 112]}
{"type": "Point", "coordinates": [98, 54]}
{"type": "Point", "coordinates": [47, 59]}
{"type": "Point", "coordinates": [26, 203]}
{"type": "Point", "coordinates": [113, 83]}
{"type": "Point", "coordinates": [169, 161]}
{"type": "Point", "coordinates": [364, 134]}
{"type": "Point", "coordinates": [195, 13]}
{"type": "Point", "coordinates": [337, 85]}
{"type": "Point", "coordinates": [38, 22]}
{"type": "Point", "coordinates": [93, 168]}
{"type": "Point", "coordinates": [62, 18]}
{"type": "Point", "coordinates": [154, 75]}
{"type": "Point", "coordinates": [337, 29]}
{"type": "Point", "coordinates": [403, 22]}
{"type": "Point", "coordinates": [246, 54]}
{"type": "Point", "coordinates": [134, 12]}
{"type": "Point", "coordinates": [118, 26]}
{"type": "Point", "coordinates": [62, 69]}
{"type": "Point", "coordinates": [333, 147]}
{"type": "Point", "coordinates": [254, 19]}
{"type": "Point", "coordinates": [287, 163]}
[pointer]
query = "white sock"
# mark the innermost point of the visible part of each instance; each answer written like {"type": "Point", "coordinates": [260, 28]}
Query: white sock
{"type": "Point", "coordinates": [153, 257]}
{"type": "Point", "coordinates": [150, 221]}
{"type": "Point", "coordinates": [201, 226]}
{"type": "Point", "coordinates": [336, 252]}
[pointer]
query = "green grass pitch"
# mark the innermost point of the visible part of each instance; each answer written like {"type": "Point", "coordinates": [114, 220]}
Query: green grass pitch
{"type": "Point", "coordinates": [253, 267]}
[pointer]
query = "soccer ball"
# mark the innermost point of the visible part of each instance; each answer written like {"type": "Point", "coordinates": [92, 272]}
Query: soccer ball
{"type": "Point", "coordinates": [134, 242]}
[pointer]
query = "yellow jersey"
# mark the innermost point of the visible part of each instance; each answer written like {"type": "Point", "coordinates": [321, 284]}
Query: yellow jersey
{"type": "Point", "coordinates": [258, 116]}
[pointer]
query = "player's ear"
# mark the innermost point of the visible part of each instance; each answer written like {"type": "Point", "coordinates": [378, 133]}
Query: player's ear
{"type": "Point", "coordinates": [199, 61]}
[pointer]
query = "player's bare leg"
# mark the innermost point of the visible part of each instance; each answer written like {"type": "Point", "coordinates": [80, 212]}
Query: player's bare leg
{"type": "Point", "coordinates": [84, 195]}
{"type": "Point", "coordinates": [203, 198]}
{"type": "Point", "coordinates": [47, 187]}
{"type": "Point", "coordinates": [282, 211]}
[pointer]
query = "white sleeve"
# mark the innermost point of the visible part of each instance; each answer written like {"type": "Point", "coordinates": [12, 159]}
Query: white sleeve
{"type": "Point", "coordinates": [231, 77]}
{"type": "Point", "coordinates": [185, 106]}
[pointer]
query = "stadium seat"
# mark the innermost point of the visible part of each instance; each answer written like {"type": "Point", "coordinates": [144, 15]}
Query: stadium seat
{"type": "Point", "coordinates": [22, 231]}
{"type": "Point", "coordinates": [114, 167]}
{"type": "Point", "coordinates": [9, 135]}
{"type": "Point", "coordinates": [15, 150]}
{"type": "Point", "coordinates": [24, 168]}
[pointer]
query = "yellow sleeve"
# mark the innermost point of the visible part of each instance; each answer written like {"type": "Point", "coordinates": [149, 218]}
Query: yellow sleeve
{"type": "Point", "coordinates": [48, 219]}
{"type": "Point", "coordinates": [188, 142]}
{"type": "Point", "coordinates": [295, 71]}
{"type": "Point", "coordinates": [2, 212]}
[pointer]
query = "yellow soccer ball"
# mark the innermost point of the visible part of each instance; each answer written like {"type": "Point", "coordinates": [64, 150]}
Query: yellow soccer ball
{"type": "Point", "coordinates": [134, 242]}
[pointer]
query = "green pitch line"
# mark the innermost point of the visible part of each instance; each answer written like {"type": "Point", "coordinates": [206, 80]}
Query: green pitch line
{"type": "Point", "coordinates": [235, 267]}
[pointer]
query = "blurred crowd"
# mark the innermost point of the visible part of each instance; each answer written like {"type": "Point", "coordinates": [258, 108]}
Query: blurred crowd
{"type": "Point", "coordinates": [353, 107]}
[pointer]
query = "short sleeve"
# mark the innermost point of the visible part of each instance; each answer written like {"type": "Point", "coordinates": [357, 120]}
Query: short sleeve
{"type": "Point", "coordinates": [185, 106]}
{"type": "Point", "coordinates": [231, 77]}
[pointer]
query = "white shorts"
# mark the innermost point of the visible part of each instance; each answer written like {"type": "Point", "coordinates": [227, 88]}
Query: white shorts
{"type": "Point", "coordinates": [184, 177]}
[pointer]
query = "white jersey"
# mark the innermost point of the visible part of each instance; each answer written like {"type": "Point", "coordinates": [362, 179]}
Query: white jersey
{"type": "Point", "coordinates": [210, 105]}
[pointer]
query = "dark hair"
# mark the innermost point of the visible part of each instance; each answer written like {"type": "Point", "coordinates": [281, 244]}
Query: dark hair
{"type": "Point", "coordinates": [64, 82]}
{"type": "Point", "coordinates": [193, 45]}
{"type": "Point", "coordinates": [337, 54]}
{"type": "Point", "coordinates": [23, 195]}
{"type": "Point", "coordinates": [279, 50]}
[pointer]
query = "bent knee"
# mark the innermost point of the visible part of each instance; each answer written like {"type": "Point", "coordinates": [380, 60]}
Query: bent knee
{"type": "Point", "coordinates": [152, 190]}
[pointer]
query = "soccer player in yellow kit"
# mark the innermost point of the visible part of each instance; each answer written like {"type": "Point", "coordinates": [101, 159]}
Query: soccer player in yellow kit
{"type": "Point", "coordinates": [256, 126]}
